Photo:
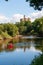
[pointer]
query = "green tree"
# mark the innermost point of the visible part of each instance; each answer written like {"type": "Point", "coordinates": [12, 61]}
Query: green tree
{"type": "Point", "coordinates": [1, 27]}
{"type": "Point", "coordinates": [36, 4]}
{"type": "Point", "coordinates": [28, 24]}
{"type": "Point", "coordinates": [11, 29]}
{"type": "Point", "coordinates": [5, 35]}
{"type": "Point", "coordinates": [38, 60]}
{"type": "Point", "coordinates": [6, 0]}
{"type": "Point", "coordinates": [38, 26]}
{"type": "Point", "coordinates": [22, 29]}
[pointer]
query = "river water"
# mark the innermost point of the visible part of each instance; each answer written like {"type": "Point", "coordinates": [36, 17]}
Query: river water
{"type": "Point", "coordinates": [23, 53]}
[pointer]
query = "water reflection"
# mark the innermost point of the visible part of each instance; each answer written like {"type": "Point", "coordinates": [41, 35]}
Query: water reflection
{"type": "Point", "coordinates": [24, 43]}
{"type": "Point", "coordinates": [21, 53]}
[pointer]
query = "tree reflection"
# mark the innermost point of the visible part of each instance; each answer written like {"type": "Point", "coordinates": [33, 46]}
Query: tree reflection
{"type": "Point", "coordinates": [38, 60]}
{"type": "Point", "coordinates": [22, 43]}
{"type": "Point", "coordinates": [39, 44]}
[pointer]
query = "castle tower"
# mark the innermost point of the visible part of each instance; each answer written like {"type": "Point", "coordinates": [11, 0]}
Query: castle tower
{"type": "Point", "coordinates": [24, 18]}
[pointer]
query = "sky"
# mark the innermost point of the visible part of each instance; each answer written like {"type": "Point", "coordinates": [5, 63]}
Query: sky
{"type": "Point", "coordinates": [13, 10]}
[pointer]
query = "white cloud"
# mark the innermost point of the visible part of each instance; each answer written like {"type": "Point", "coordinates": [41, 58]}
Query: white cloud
{"type": "Point", "coordinates": [35, 15]}
{"type": "Point", "coordinates": [3, 19]}
{"type": "Point", "coordinates": [13, 19]}
{"type": "Point", "coordinates": [17, 17]}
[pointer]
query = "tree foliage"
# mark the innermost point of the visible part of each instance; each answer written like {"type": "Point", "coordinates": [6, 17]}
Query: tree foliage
{"type": "Point", "coordinates": [23, 28]}
{"type": "Point", "coordinates": [38, 26]}
{"type": "Point", "coordinates": [38, 60]}
{"type": "Point", "coordinates": [8, 29]}
{"type": "Point", "coordinates": [6, 0]}
{"type": "Point", "coordinates": [36, 4]}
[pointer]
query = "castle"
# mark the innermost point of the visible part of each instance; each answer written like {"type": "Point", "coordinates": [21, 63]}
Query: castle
{"type": "Point", "coordinates": [25, 19]}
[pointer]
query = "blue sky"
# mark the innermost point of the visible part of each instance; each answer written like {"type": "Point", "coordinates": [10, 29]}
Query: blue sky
{"type": "Point", "coordinates": [15, 7]}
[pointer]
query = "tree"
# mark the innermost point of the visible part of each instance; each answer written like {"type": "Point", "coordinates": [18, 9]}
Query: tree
{"type": "Point", "coordinates": [22, 30]}
{"type": "Point", "coordinates": [6, 0]}
{"type": "Point", "coordinates": [24, 27]}
{"type": "Point", "coordinates": [38, 26]}
{"type": "Point", "coordinates": [38, 60]}
{"type": "Point", "coordinates": [1, 27]}
{"type": "Point", "coordinates": [11, 29]}
{"type": "Point", "coordinates": [5, 35]}
{"type": "Point", "coordinates": [28, 24]}
{"type": "Point", "coordinates": [36, 4]}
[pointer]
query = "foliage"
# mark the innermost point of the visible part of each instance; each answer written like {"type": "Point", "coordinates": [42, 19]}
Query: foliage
{"type": "Point", "coordinates": [6, 0]}
{"type": "Point", "coordinates": [36, 4]}
{"type": "Point", "coordinates": [8, 30]}
{"type": "Point", "coordinates": [1, 37]}
{"type": "Point", "coordinates": [38, 60]}
{"type": "Point", "coordinates": [22, 28]}
{"type": "Point", "coordinates": [38, 26]}
{"type": "Point", "coordinates": [5, 35]}
{"type": "Point", "coordinates": [11, 29]}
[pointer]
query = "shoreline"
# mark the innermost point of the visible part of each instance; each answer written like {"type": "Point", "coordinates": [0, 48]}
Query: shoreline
{"type": "Point", "coordinates": [21, 37]}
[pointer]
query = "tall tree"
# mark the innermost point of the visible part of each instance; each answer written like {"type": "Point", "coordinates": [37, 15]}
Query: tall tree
{"type": "Point", "coordinates": [38, 26]}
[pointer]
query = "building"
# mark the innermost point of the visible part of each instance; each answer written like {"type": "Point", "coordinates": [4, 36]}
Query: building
{"type": "Point", "coordinates": [25, 19]}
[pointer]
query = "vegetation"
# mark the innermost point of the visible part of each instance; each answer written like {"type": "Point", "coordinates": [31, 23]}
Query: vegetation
{"type": "Point", "coordinates": [8, 30]}
{"type": "Point", "coordinates": [5, 35]}
{"type": "Point", "coordinates": [38, 26]}
{"type": "Point", "coordinates": [36, 4]}
{"type": "Point", "coordinates": [31, 28]}
{"type": "Point", "coordinates": [6, 0]}
{"type": "Point", "coordinates": [38, 60]}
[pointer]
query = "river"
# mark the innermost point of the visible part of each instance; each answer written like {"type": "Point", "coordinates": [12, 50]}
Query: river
{"type": "Point", "coordinates": [23, 53]}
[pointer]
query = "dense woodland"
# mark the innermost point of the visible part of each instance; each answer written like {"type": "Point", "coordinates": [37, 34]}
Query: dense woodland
{"type": "Point", "coordinates": [8, 30]}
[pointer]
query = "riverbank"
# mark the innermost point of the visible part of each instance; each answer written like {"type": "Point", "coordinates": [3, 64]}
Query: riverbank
{"type": "Point", "coordinates": [20, 36]}
{"type": "Point", "coordinates": [2, 39]}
